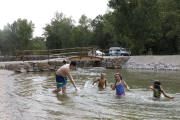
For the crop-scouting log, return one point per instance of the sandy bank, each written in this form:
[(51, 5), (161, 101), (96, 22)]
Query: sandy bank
[(5, 108), (171, 62), (166, 59)]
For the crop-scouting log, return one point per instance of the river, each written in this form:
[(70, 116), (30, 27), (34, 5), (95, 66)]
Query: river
[(30, 96)]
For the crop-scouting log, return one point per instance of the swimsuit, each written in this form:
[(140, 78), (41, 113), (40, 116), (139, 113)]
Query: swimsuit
[(61, 81), (158, 94), (120, 90)]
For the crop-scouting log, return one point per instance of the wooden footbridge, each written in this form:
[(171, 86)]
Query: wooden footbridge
[(74, 54)]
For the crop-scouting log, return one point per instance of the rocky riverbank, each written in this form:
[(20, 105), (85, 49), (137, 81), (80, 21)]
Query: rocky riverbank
[(154, 63), (5, 108), (54, 64), (13, 58), (127, 62)]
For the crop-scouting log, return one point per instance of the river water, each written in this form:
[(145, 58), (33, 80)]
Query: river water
[(30, 96)]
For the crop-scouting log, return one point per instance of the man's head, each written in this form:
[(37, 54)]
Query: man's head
[(73, 65)]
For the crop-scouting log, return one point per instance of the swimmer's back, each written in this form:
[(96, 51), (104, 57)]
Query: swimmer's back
[(62, 71)]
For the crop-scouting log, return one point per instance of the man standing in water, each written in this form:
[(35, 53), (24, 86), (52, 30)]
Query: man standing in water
[(61, 77)]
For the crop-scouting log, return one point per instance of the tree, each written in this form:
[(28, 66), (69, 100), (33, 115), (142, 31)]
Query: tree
[(100, 38), (85, 28), (16, 36), (77, 37), (24, 33), (58, 32), (39, 43)]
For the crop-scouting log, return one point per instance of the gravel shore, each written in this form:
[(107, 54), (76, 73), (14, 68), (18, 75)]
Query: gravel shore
[(167, 62), (5, 108)]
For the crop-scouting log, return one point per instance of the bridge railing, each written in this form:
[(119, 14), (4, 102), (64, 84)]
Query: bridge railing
[(68, 52)]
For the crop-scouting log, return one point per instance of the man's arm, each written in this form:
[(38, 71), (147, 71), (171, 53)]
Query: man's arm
[(70, 77)]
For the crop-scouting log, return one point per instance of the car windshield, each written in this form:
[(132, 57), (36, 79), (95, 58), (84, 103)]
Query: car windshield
[(112, 48)]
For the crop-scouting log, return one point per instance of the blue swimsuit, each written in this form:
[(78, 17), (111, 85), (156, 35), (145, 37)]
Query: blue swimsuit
[(120, 89), (61, 81)]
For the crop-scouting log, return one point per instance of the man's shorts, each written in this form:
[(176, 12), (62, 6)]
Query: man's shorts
[(61, 81)]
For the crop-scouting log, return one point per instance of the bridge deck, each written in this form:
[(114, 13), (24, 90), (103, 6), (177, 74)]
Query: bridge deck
[(86, 58)]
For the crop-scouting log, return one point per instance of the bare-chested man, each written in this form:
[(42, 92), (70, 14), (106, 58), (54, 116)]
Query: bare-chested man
[(61, 77), (102, 80)]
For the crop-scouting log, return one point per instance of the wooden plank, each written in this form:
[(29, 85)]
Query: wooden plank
[(87, 58), (19, 51), (57, 49), (35, 50), (59, 54), (35, 56), (74, 52)]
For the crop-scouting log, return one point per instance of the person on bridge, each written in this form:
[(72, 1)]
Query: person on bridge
[(102, 81), (157, 90), (64, 62), (61, 77), (119, 85)]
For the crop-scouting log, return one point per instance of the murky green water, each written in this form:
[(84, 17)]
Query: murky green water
[(31, 98)]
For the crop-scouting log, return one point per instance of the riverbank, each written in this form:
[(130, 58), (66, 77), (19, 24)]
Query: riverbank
[(166, 62), (5, 108)]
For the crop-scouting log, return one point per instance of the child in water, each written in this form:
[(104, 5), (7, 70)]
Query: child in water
[(102, 81), (157, 90), (119, 85)]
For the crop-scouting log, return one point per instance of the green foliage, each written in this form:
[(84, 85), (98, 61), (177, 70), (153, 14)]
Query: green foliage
[(100, 38), (85, 30), (76, 37), (16, 36), (145, 26), (58, 32), (39, 43), (24, 33), (150, 52)]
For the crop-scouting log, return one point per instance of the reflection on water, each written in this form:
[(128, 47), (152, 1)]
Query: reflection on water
[(32, 98)]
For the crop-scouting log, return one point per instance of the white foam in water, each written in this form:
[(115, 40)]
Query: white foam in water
[(88, 84)]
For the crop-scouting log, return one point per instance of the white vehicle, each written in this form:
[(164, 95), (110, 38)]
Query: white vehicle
[(96, 53), (118, 51)]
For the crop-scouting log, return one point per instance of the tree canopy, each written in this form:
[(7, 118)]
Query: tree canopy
[(145, 26)]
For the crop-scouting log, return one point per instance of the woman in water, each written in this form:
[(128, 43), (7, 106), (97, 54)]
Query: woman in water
[(157, 90), (119, 85)]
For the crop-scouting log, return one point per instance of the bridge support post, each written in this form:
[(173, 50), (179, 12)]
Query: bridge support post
[(23, 55), (16, 55), (68, 52), (81, 52), (48, 55)]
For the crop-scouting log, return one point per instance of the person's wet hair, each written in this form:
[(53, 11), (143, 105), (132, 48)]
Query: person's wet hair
[(73, 63), (64, 62), (157, 84), (118, 74)]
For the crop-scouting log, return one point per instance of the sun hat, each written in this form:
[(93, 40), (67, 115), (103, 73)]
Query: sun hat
[(103, 74)]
